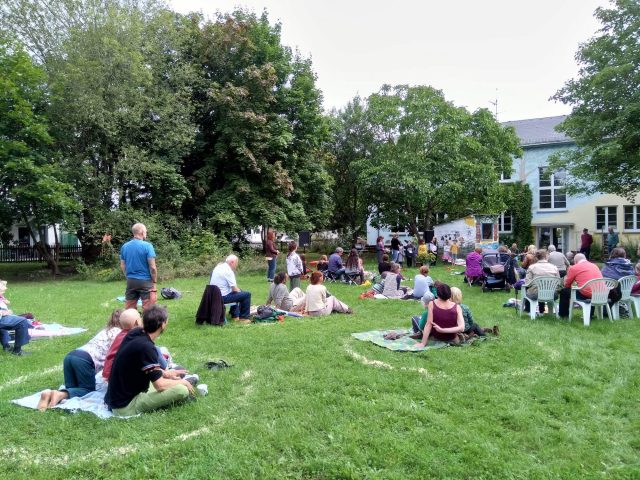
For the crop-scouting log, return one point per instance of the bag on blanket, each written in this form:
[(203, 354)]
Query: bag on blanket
[(265, 313)]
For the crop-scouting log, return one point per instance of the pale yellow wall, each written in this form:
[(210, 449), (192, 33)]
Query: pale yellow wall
[(583, 215)]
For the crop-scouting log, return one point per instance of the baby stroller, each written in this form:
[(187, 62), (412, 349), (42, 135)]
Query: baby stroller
[(495, 266)]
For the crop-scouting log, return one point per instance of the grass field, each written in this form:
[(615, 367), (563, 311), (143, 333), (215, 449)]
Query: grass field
[(547, 399)]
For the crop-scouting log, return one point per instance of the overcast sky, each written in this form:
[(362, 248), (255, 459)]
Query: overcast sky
[(467, 48)]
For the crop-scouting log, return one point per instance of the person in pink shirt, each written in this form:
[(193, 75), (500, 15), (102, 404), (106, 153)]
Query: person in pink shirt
[(580, 272)]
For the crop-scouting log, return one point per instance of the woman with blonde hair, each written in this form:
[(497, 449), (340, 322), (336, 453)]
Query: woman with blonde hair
[(318, 303), (470, 327)]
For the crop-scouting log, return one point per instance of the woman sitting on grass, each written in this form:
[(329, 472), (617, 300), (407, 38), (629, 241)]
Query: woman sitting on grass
[(444, 320), (353, 265), (318, 303), (281, 297), (392, 288), (422, 283), (80, 366), (470, 327)]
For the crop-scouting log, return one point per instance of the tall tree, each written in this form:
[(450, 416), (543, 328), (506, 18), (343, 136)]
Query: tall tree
[(605, 120), (32, 185), (120, 109), (352, 142), (259, 156), (432, 157)]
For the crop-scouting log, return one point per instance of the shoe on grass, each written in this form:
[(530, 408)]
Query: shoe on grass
[(20, 353), (242, 321)]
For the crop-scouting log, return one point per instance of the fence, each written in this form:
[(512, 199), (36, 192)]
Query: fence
[(30, 254)]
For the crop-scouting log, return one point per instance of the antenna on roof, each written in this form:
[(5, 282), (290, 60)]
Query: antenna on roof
[(495, 104)]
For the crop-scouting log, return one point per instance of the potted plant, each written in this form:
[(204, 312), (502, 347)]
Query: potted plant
[(428, 258)]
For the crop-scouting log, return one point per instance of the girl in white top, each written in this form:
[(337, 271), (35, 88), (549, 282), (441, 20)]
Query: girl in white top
[(81, 365), (316, 301), (294, 266)]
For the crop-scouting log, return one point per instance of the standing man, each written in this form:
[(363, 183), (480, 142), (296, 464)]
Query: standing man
[(138, 262), (586, 239), (395, 247), (137, 384), (612, 240), (224, 277)]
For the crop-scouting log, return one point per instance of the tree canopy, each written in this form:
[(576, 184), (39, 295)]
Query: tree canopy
[(605, 119), (32, 184), (428, 156)]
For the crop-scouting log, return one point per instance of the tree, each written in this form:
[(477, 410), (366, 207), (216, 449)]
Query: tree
[(120, 107), (31, 182), (352, 142), (259, 157), (605, 119), (431, 157)]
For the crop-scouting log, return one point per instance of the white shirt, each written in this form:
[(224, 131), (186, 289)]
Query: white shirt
[(294, 264), (99, 346), (223, 278)]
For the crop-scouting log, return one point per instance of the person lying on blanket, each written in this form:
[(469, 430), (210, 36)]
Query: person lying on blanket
[(444, 320), (470, 327), (137, 383), (81, 365)]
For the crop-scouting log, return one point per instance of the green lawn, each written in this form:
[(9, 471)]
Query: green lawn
[(547, 399)]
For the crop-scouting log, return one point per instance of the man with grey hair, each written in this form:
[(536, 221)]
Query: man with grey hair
[(559, 260), (336, 267), (580, 272), (138, 263), (223, 276)]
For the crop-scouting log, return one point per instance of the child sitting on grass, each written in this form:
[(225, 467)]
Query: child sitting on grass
[(470, 327)]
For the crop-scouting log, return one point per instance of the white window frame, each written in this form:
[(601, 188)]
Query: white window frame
[(607, 216), (636, 218), (501, 222), (553, 188)]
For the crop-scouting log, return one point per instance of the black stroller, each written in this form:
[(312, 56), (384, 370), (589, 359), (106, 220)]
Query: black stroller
[(495, 266)]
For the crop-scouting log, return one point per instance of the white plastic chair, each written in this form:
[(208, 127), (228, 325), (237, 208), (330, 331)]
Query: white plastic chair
[(600, 288), (626, 284), (547, 288)]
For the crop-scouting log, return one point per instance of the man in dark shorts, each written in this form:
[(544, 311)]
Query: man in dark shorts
[(137, 384), (138, 262)]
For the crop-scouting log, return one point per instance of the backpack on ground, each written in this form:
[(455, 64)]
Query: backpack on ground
[(170, 293)]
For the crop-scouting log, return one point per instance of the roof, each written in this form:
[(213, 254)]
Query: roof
[(539, 131)]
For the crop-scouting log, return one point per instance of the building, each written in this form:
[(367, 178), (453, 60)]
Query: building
[(558, 218)]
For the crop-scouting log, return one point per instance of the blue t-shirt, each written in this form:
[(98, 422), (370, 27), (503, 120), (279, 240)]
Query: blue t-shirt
[(135, 254)]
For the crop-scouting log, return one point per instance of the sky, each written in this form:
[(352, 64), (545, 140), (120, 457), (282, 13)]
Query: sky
[(519, 52)]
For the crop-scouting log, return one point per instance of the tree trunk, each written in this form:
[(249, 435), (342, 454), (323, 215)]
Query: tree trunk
[(263, 237), (42, 249)]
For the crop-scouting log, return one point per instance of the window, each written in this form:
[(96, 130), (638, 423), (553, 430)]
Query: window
[(631, 217), (552, 192), (505, 220), (487, 231), (505, 176), (606, 217)]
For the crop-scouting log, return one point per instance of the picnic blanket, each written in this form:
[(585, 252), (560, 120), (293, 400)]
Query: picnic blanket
[(54, 330), (402, 344), (92, 402)]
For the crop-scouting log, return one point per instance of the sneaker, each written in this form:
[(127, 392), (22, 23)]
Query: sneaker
[(496, 330), (6, 348), (242, 321), (349, 311), (192, 378), (20, 353)]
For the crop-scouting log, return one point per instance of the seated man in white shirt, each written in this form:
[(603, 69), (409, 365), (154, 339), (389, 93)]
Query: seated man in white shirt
[(224, 277)]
